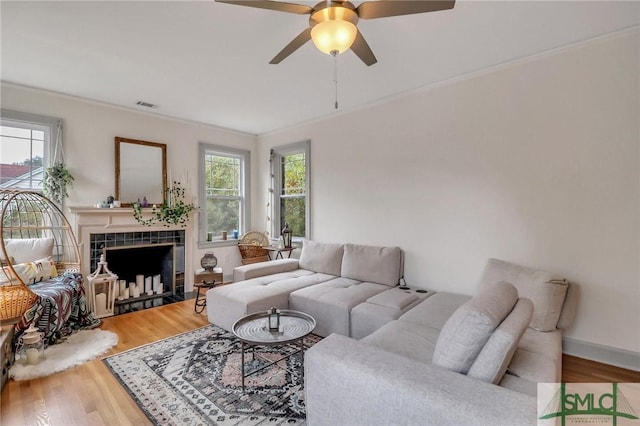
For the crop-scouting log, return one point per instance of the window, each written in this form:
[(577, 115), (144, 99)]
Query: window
[(290, 166), (224, 189), (25, 148)]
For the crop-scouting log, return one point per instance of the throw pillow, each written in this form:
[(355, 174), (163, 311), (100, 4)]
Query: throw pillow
[(467, 330), (547, 291), (28, 249), (36, 271), (495, 356)]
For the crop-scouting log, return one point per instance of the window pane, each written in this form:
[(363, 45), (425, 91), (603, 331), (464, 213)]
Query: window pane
[(293, 174), (14, 131), (222, 175), (22, 158), (222, 215), (292, 211)]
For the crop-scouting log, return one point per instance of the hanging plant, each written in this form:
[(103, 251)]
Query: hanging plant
[(55, 182), (173, 211)]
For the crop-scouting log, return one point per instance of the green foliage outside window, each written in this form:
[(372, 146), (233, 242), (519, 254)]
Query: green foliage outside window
[(223, 193), (293, 195)]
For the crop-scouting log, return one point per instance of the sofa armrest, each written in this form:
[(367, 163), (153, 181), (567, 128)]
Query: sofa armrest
[(260, 269), (350, 382)]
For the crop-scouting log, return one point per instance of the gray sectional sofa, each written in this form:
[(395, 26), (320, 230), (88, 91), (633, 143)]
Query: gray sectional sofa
[(399, 356)]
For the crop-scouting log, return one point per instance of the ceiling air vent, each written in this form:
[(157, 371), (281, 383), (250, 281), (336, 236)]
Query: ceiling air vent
[(146, 104)]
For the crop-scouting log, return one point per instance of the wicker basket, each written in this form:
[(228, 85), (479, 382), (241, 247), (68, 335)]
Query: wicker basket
[(252, 254), (252, 249)]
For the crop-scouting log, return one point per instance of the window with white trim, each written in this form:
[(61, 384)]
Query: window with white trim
[(224, 191), (26, 141), (290, 170)]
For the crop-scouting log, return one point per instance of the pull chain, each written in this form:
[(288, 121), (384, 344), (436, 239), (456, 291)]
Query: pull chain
[(334, 53)]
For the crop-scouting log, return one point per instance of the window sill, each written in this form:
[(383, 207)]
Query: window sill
[(217, 243)]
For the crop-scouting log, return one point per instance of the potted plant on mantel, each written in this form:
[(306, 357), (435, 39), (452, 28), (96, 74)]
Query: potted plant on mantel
[(173, 211)]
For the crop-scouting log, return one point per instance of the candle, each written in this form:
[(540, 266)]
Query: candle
[(136, 291), (140, 281), (123, 287), (156, 284), (32, 356), (101, 304), (132, 289), (148, 286)]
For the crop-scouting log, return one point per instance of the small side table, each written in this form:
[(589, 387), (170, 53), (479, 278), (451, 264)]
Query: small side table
[(279, 251), (203, 279)]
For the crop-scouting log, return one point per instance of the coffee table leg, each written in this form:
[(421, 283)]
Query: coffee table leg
[(302, 358), (242, 363)]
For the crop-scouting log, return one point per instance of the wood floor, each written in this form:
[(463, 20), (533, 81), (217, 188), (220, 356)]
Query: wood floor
[(90, 394)]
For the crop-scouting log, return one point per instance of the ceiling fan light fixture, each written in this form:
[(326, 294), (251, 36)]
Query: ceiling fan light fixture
[(333, 35)]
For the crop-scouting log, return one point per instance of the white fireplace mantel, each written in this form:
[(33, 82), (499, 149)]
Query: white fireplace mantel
[(92, 220)]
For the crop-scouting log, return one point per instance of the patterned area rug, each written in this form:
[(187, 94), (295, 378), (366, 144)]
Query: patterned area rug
[(195, 378)]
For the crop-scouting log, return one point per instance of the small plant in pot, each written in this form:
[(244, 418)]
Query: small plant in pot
[(56, 180)]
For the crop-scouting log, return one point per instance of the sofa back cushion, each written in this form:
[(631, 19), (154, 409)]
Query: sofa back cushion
[(380, 265), (469, 328), (495, 356), (325, 258), (547, 291), (27, 249)]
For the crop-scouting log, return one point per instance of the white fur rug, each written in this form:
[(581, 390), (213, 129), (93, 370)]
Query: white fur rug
[(80, 347)]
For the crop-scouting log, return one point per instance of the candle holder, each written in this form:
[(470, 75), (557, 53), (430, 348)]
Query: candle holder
[(32, 351), (274, 320), (286, 235), (102, 290)]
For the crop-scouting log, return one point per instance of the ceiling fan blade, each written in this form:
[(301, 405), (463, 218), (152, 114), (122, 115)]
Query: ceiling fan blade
[(385, 8), (295, 44), (299, 9), (361, 48)]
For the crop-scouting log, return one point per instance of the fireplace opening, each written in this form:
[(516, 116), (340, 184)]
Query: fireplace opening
[(130, 262)]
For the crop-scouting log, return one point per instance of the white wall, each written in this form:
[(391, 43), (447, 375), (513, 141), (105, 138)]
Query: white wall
[(89, 132), (535, 162)]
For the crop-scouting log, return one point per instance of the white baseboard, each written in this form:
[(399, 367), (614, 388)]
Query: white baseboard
[(601, 353)]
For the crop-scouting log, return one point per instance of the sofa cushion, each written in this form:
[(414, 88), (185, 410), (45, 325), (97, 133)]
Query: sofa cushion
[(495, 356), (436, 310), (330, 303), (547, 291), (404, 338), (466, 332), (547, 345), (228, 303), (27, 249), (381, 265), (259, 269), (321, 257), (393, 299), (535, 367)]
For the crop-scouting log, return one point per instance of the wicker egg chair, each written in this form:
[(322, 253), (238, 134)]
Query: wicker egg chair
[(29, 215), (251, 247)]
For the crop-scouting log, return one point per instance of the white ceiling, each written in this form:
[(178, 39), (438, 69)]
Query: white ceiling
[(209, 62)]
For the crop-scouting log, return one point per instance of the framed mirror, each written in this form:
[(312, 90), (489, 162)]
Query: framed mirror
[(141, 171)]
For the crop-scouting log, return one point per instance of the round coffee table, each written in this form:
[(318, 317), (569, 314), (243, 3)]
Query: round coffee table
[(252, 330)]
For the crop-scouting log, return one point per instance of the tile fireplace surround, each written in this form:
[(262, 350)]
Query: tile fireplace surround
[(97, 228)]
